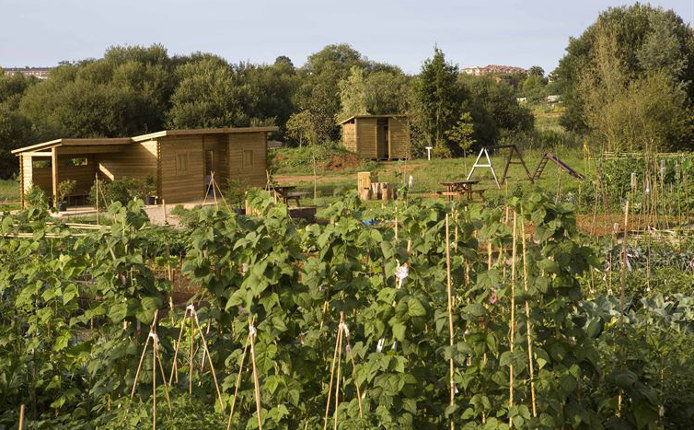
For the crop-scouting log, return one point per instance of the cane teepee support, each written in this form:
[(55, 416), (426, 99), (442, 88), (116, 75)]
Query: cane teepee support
[(489, 166)]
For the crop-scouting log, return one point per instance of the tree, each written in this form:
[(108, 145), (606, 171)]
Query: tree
[(208, 95), (647, 112), (320, 77), (463, 132), (378, 92), (533, 88), (649, 39), (353, 94), (437, 101), (536, 71)]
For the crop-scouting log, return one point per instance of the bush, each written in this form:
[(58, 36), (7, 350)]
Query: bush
[(120, 190), (36, 198)]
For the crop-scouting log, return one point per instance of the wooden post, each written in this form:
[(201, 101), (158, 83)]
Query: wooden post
[(332, 374), (163, 203), (54, 176), (177, 345), (96, 188), (450, 319)]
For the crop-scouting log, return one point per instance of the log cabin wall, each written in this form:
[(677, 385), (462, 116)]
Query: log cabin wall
[(349, 136), (83, 175), (248, 158), (182, 168), (399, 136), (135, 160)]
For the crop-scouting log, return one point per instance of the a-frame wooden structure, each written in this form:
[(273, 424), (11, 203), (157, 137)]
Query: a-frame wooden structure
[(509, 160)]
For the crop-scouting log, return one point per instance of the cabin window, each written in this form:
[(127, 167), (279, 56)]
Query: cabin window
[(181, 163), (77, 161), (40, 163), (247, 158)]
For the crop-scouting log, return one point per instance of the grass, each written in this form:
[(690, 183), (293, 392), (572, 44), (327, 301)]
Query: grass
[(427, 176), (9, 194)]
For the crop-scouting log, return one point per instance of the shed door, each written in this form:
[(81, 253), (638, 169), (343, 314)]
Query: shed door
[(382, 138)]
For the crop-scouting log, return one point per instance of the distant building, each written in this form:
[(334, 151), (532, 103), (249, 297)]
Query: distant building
[(554, 98), (521, 99), (37, 72), (493, 69)]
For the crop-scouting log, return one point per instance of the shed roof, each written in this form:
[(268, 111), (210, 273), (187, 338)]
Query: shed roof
[(123, 140), (390, 115)]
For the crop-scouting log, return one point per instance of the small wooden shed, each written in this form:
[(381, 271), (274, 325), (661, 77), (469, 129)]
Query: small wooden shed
[(180, 161), (378, 137)]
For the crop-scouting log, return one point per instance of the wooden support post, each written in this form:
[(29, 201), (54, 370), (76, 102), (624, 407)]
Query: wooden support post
[(54, 176), (96, 188)]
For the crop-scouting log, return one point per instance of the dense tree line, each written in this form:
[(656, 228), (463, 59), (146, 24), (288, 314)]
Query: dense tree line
[(628, 79), (133, 90)]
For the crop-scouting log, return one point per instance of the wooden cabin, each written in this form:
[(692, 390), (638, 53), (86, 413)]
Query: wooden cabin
[(180, 161), (378, 137)]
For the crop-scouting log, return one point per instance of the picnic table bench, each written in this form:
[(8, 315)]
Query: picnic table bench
[(459, 188)]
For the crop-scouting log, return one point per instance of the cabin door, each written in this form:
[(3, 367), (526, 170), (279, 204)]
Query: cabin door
[(209, 168), (382, 139)]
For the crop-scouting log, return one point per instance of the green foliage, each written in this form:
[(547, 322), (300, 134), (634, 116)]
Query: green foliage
[(34, 197)]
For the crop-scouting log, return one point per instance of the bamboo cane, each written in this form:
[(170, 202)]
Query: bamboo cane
[(332, 374), (191, 362), (178, 345), (255, 378), (163, 378), (209, 358), (356, 377), (238, 380), (512, 320), (451, 367), (154, 382), (339, 367), (21, 417), (527, 317), (139, 367)]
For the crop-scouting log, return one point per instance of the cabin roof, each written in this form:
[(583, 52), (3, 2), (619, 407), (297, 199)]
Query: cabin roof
[(390, 115), (123, 140), (194, 131)]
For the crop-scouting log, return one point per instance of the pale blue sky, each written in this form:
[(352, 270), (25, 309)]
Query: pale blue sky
[(510, 32)]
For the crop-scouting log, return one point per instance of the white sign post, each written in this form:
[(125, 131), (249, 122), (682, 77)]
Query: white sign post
[(429, 148)]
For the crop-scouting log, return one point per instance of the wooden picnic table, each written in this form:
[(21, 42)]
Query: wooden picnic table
[(285, 193), (458, 188)]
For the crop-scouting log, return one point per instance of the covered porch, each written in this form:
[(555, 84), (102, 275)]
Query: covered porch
[(47, 164)]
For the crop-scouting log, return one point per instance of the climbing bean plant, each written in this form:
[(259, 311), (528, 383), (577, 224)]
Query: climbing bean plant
[(76, 312)]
